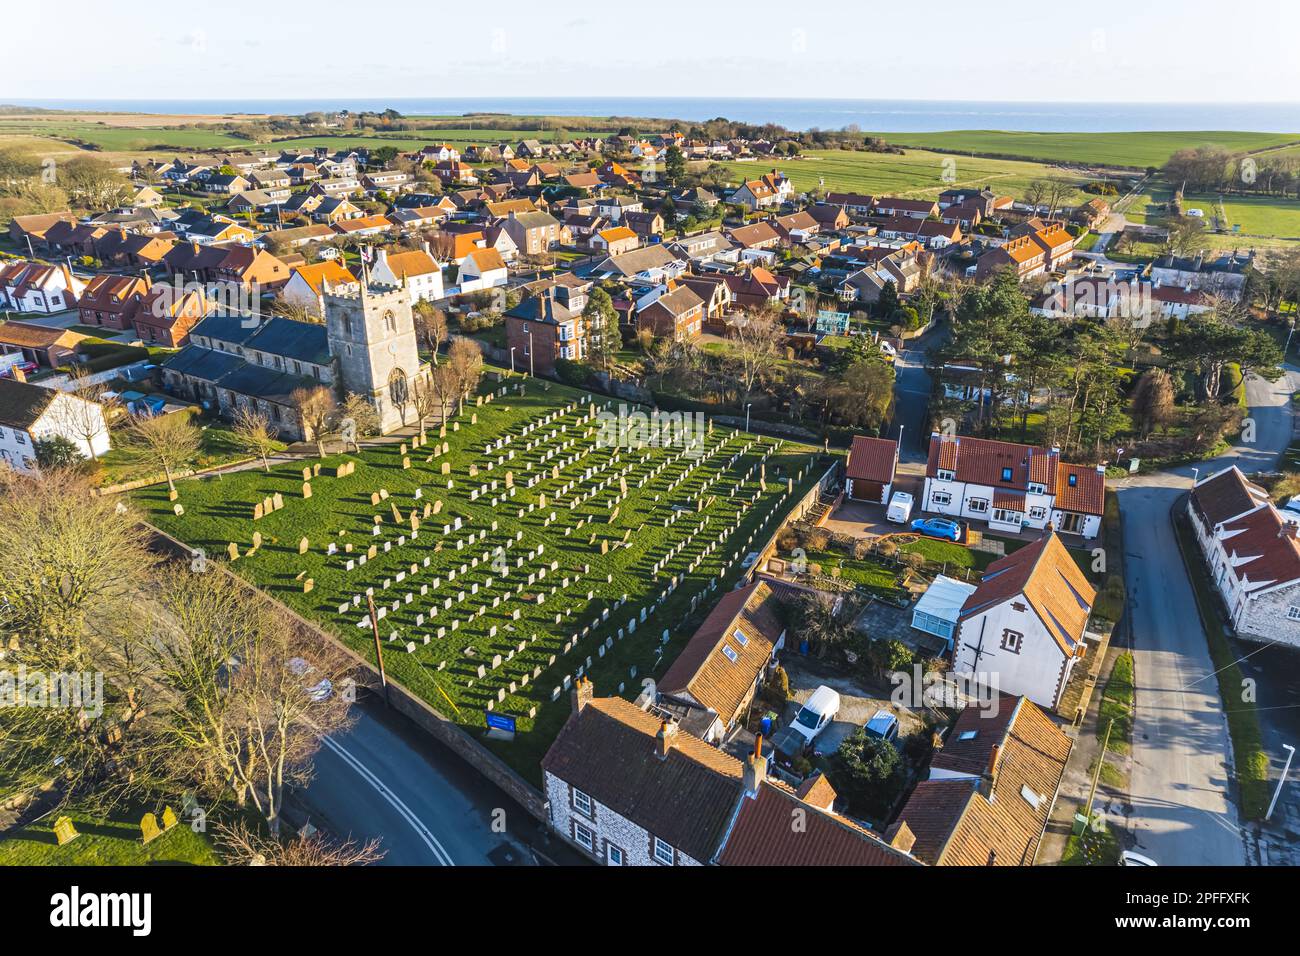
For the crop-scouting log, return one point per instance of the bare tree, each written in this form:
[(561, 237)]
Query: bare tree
[(427, 402), (253, 435), (88, 419), (172, 441), (242, 845), (443, 382), (315, 406), (466, 361), (249, 692), (755, 344), (431, 327)]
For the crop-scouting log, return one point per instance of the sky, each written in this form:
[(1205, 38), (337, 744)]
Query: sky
[(1101, 51)]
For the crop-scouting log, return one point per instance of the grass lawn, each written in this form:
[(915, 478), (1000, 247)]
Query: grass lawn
[(1140, 149), (918, 174), (870, 572), (950, 557), (1092, 848), (217, 448), (556, 604), (111, 842), (1116, 706)]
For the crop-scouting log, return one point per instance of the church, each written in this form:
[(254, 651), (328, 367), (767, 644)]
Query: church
[(367, 346)]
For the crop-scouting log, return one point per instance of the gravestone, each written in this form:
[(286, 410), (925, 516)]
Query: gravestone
[(149, 829), (64, 831)]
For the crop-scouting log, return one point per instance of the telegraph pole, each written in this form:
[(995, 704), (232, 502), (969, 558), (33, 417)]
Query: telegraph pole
[(379, 650)]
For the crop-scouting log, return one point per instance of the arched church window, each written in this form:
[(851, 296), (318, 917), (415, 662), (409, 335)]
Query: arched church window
[(398, 392), (390, 323)]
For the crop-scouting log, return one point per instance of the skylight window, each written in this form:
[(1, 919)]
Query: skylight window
[(740, 637), (967, 735), (1030, 797), (730, 652)]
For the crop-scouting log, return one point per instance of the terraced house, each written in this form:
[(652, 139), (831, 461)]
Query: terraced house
[(1012, 487), (1253, 555)]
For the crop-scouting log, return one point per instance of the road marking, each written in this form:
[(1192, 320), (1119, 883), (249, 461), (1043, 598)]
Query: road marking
[(407, 813)]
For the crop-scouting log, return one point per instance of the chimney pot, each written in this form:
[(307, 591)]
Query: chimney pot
[(583, 692), (664, 739), (755, 771)]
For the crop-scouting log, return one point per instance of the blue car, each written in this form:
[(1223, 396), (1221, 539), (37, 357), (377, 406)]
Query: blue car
[(938, 528)]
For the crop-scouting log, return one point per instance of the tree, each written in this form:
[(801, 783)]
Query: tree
[(252, 432), (442, 383), (814, 615), (248, 694), (87, 419), (755, 343), (364, 418), (674, 165), (601, 321), (315, 406), (241, 845), (426, 400), (864, 394), (93, 183), (868, 772), (57, 451), (431, 327), (1153, 400), (170, 440), (466, 360)]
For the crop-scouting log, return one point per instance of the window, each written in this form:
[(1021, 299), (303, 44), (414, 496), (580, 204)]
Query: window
[(740, 637), (978, 505), (1011, 641), (1030, 797), (584, 837), (940, 498), (1005, 516), (730, 653), (967, 735), (614, 855), (663, 852), (581, 802), (1293, 613), (945, 475), (1073, 480), (1038, 512), (1006, 474)]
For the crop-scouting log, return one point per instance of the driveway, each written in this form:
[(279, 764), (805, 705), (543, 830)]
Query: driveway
[(1182, 813)]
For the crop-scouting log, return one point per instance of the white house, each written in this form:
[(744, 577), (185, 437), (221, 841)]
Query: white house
[(30, 413), (1012, 487), (1253, 555), (37, 287), (482, 269), (1023, 626), (417, 269)]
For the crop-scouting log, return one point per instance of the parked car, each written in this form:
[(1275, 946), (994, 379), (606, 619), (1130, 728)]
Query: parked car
[(889, 352), (1129, 858), (900, 508), (27, 368), (939, 528), (882, 725), (793, 740)]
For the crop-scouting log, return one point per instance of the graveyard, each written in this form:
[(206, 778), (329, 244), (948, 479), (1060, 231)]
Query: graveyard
[(542, 534)]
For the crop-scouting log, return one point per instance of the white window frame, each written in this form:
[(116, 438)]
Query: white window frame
[(978, 505), (940, 498), (580, 828), (662, 844), (610, 850), (581, 802), (1293, 613)]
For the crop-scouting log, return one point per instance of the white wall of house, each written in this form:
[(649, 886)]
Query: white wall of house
[(606, 827), (1016, 647), (16, 449)]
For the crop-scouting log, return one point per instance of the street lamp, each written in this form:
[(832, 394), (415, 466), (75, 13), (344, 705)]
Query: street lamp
[(1290, 752), (1196, 474), (748, 406), (512, 359), (530, 356)]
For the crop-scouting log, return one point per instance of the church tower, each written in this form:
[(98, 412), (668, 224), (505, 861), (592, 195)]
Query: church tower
[(371, 332)]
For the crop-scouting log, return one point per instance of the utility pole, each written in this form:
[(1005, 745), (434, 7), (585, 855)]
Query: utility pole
[(379, 650), (1290, 752), (1096, 774)]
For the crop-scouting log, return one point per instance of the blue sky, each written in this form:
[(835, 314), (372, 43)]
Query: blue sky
[(1102, 50)]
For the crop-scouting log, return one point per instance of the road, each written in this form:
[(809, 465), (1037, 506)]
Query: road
[(912, 398), (384, 779), (1181, 812)]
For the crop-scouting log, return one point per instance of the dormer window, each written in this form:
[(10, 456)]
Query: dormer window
[(945, 475)]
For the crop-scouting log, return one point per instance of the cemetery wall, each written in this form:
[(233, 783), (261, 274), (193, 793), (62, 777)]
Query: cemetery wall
[(401, 699), (797, 511), (159, 478)]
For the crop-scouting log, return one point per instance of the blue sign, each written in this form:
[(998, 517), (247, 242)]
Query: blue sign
[(499, 721), (832, 323)]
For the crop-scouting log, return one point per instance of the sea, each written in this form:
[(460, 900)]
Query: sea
[(885, 116)]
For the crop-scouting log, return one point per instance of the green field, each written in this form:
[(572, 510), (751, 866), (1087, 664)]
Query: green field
[(1111, 149), (918, 174), (510, 563), (1263, 220), (112, 842)]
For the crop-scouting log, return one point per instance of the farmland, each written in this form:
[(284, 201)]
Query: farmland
[(1138, 150), (527, 552)]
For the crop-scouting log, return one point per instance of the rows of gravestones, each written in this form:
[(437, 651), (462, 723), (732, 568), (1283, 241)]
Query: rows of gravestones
[(676, 550), (550, 442)]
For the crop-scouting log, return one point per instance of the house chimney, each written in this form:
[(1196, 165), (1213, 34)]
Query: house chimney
[(903, 839), (990, 778), (755, 768), (583, 691), (664, 739)]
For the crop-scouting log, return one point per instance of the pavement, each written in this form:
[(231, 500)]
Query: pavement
[(1180, 788), (385, 779)]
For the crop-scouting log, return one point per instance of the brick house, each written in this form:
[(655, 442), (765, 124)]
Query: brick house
[(677, 314), (112, 302), (869, 474)]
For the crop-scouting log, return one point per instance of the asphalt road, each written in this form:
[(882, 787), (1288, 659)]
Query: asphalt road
[(1182, 813), (384, 779)]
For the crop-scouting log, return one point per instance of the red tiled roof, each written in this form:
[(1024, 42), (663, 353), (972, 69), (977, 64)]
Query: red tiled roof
[(872, 459), (1225, 495)]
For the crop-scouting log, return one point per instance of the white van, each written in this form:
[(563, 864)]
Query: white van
[(900, 508), (820, 710)]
